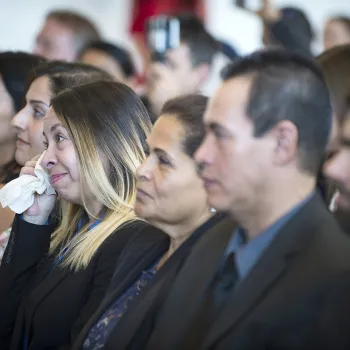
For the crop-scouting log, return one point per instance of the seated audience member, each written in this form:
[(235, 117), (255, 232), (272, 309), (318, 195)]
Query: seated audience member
[(113, 59), (187, 67), (54, 277), (337, 170), (64, 34), (260, 158), (336, 32), (142, 11), (335, 65), (45, 81), (14, 69), (171, 197)]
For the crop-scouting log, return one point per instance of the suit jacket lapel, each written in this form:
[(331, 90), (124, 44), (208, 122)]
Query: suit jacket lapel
[(144, 307), (199, 267), (129, 275), (273, 264)]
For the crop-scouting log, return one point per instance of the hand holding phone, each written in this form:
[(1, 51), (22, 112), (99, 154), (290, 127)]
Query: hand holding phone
[(163, 33)]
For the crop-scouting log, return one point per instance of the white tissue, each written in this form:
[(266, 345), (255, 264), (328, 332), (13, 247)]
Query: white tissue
[(19, 194)]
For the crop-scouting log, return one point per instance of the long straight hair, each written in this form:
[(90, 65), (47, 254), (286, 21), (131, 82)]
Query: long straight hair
[(109, 125)]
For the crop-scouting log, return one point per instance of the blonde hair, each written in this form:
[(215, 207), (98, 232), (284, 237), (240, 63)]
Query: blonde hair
[(103, 118)]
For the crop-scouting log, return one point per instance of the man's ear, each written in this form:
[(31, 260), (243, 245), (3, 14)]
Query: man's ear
[(286, 138)]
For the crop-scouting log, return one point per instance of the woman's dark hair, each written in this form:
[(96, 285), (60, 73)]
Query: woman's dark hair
[(120, 55), (189, 110), (335, 65), (14, 70), (63, 75)]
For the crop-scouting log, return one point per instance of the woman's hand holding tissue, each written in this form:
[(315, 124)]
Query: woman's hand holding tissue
[(43, 204)]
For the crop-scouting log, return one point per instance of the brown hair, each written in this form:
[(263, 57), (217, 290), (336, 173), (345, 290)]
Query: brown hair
[(84, 30), (335, 65), (189, 110)]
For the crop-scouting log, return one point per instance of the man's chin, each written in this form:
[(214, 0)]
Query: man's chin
[(342, 203), (219, 203)]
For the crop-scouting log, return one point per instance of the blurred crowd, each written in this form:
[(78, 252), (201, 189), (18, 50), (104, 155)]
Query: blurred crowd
[(178, 220)]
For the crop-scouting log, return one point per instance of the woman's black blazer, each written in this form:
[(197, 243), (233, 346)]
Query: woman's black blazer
[(50, 309)]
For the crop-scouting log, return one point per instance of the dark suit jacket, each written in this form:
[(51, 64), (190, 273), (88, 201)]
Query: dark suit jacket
[(52, 306), (136, 323), (277, 306)]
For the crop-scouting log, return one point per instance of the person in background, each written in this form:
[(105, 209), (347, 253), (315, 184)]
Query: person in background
[(287, 27), (335, 65), (337, 169), (186, 68), (113, 59), (264, 284), (143, 10), (46, 80), (63, 35), (14, 70), (336, 32), (54, 276), (170, 197)]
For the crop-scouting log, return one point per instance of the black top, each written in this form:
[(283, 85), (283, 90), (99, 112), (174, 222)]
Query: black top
[(53, 306), (138, 318), (279, 303)]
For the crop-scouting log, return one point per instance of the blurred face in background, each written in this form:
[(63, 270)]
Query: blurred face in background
[(29, 121), (56, 42), (104, 61), (337, 169), (336, 33), (7, 111), (176, 77)]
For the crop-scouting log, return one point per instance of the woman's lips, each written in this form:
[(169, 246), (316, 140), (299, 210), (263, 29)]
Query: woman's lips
[(56, 178), (142, 194), (21, 142)]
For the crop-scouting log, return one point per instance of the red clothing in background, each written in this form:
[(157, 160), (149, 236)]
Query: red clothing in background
[(143, 9)]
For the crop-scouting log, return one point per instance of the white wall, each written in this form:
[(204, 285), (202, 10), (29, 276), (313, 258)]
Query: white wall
[(21, 19)]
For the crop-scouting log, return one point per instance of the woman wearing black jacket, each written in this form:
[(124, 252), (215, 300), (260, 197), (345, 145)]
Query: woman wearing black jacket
[(172, 198), (53, 277)]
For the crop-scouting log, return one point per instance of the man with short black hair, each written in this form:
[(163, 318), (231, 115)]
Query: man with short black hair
[(187, 67), (64, 34), (263, 285)]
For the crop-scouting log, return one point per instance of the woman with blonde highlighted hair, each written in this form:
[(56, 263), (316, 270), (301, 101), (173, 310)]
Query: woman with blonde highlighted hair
[(58, 273)]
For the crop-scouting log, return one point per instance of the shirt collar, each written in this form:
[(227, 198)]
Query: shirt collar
[(247, 254)]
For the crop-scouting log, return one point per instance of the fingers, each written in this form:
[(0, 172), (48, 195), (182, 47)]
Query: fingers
[(36, 158), (28, 168), (27, 171)]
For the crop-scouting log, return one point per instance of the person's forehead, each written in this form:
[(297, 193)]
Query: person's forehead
[(54, 27), (231, 98), (40, 86), (166, 133)]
